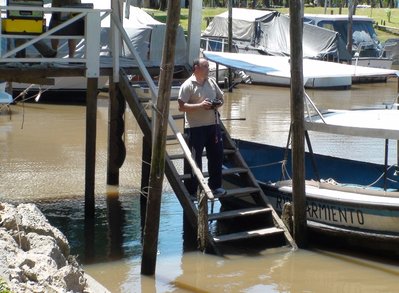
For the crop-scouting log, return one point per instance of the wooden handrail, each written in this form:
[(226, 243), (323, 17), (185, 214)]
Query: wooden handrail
[(154, 93), (92, 36)]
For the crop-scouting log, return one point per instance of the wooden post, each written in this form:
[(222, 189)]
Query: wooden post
[(145, 177), (91, 126), (116, 220), (297, 123), (116, 129), (160, 126), (203, 228)]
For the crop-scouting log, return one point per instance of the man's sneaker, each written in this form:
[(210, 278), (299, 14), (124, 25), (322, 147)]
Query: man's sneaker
[(219, 191)]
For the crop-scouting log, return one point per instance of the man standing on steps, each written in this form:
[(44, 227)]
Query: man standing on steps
[(199, 98)]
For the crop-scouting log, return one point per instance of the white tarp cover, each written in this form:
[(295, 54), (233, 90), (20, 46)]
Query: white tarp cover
[(244, 21), (147, 36), (317, 42), (269, 31)]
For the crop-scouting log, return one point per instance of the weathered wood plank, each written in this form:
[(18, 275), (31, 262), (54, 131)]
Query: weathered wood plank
[(248, 234), (239, 192), (181, 156), (238, 213)]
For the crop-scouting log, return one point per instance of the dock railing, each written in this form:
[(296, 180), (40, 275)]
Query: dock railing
[(92, 27)]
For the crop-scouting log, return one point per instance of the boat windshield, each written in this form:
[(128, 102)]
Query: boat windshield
[(364, 37)]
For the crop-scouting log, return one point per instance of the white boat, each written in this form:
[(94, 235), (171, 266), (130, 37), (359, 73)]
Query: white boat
[(267, 33), (367, 50), (278, 67)]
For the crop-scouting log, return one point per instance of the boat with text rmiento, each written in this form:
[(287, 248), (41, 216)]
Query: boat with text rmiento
[(356, 200)]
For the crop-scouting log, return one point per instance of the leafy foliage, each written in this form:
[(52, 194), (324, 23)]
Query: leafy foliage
[(4, 287)]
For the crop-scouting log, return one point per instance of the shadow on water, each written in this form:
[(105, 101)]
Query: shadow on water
[(115, 231), (113, 234)]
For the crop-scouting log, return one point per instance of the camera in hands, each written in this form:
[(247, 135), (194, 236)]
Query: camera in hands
[(215, 102)]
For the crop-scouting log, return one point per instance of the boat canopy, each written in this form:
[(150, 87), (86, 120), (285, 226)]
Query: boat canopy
[(244, 23), (268, 31), (280, 66)]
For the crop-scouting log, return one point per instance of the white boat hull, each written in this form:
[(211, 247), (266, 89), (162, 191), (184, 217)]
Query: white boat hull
[(347, 210), (384, 63), (343, 82)]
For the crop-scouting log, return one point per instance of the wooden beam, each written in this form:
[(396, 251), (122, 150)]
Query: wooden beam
[(116, 129), (27, 72), (160, 126), (91, 132), (297, 123), (34, 80)]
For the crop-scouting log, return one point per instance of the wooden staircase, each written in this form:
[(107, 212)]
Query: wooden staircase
[(240, 216)]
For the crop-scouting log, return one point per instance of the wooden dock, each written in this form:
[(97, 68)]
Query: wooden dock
[(242, 214)]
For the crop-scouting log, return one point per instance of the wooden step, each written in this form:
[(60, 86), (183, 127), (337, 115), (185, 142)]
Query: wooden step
[(238, 213), (229, 171), (171, 137), (248, 234), (181, 156), (224, 172), (239, 192)]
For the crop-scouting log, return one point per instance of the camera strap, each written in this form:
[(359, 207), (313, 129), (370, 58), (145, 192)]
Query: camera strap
[(216, 125), (217, 121)]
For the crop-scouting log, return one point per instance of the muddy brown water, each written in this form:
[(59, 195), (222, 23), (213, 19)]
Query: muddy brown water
[(42, 161)]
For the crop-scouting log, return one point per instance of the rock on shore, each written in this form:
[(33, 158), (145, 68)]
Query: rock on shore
[(35, 256)]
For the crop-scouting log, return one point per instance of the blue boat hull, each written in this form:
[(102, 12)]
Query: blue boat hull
[(350, 208)]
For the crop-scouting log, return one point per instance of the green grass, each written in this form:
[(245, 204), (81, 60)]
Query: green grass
[(378, 14)]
